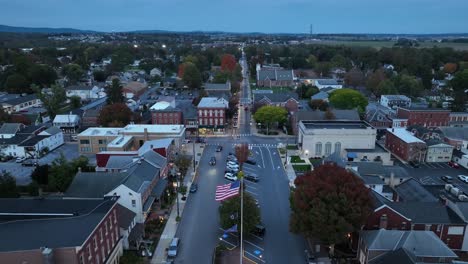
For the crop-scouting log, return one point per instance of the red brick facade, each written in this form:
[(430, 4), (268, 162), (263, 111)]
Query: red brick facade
[(425, 117), (167, 117), (393, 220), (405, 151), (211, 117)]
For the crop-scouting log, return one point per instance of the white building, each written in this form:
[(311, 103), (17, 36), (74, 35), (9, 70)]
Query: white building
[(327, 83), (67, 122), (85, 92), (394, 101), (438, 152), (12, 103), (322, 138)]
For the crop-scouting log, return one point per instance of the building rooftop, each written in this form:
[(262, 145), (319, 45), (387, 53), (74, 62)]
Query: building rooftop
[(404, 135), (412, 190), (161, 105), (424, 109), (460, 133), (327, 82), (119, 141), (320, 115), (101, 131), (16, 99), (218, 87), (335, 124), (29, 224), (163, 129), (213, 102), (396, 97), (10, 128), (66, 119)]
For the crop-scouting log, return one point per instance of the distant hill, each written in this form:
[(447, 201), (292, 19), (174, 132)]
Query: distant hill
[(4, 28)]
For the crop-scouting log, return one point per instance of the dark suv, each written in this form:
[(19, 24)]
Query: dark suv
[(259, 230), (251, 177), (213, 161), (251, 161)]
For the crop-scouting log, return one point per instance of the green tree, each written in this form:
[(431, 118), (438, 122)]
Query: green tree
[(17, 83), (61, 174), (374, 80), (408, 85), (270, 114), (311, 91), (114, 92), (192, 77), (75, 101), (312, 61), (115, 115), (229, 213), (348, 99), (183, 164), (325, 208), (42, 75), (99, 76), (8, 188), (385, 87), (53, 100), (73, 72), (460, 84)]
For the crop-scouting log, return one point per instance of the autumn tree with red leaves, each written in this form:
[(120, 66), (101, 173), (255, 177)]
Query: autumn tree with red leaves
[(242, 152), (329, 203), (115, 115), (228, 63)]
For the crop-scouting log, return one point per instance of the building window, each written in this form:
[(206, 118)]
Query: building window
[(102, 141), (81, 259), (102, 236), (89, 252), (133, 203), (328, 149), (105, 227), (427, 228), (318, 149), (95, 243), (211, 112), (338, 147), (102, 149), (112, 238), (84, 141), (117, 234), (103, 253), (221, 121), (108, 246)]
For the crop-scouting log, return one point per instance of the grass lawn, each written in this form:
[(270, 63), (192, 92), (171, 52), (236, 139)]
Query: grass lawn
[(301, 167), (292, 147), (296, 159)]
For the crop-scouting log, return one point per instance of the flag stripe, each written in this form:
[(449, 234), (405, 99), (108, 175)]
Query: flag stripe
[(227, 190)]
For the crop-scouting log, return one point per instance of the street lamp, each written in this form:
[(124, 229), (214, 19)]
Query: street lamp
[(176, 185)]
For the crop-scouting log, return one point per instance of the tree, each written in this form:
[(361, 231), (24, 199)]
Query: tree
[(450, 68), (115, 115), (52, 100), (229, 213), (318, 104), (192, 76), (4, 116), (75, 101), (312, 61), (385, 87), (374, 80), (354, 77), (100, 76), (242, 152), (42, 75), (323, 68), (311, 91), (17, 83), (329, 203), (329, 115), (460, 84), (183, 164), (348, 99), (40, 174), (114, 92), (270, 114), (408, 85), (73, 72), (8, 188), (228, 63), (61, 174)]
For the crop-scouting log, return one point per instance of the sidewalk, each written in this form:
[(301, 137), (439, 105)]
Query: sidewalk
[(160, 254), (254, 131)]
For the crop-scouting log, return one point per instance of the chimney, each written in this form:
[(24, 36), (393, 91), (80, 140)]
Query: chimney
[(392, 179), (383, 221), (145, 133)]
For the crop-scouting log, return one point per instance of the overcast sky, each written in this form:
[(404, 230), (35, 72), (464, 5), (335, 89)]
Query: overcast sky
[(269, 16)]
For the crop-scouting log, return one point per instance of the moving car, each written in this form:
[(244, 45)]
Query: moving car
[(453, 164), (193, 188), (252, 177), (173, 247), (212, 161), (446, 178), (463, 178), (219, 148), (20, 159), (259, 230), (230, 176)]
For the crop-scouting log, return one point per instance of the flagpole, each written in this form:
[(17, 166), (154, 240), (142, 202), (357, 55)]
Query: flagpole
[(242, 220)]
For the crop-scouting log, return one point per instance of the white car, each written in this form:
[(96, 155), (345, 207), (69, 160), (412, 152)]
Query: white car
[(230, 176), (20, 159), (232, 167), (232, 163), (463, 178)]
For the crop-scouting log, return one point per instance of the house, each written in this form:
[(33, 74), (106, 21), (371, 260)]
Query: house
[(274, 77), (320, 96), (460, 157), (132, 232), (212, 115), (9, 130), (403, 247), (457, 137), (428, 216), (322, 138), (59, 231), (377, 154), (427, 117), (458, 119), (394, 101), (338, 114), (13, 103), (85, 92), (327, 83), (438, 151), (390, 175), (130, 137), (68, 123), (165, 112), (90, 117), (216, 88), (378, 118), (403, 144), (133, 90), (411, 190), (290, 101), (138, 186)]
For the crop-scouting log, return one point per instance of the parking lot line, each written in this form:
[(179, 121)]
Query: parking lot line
[(261, 238), (248, 242), (252, 255), (252, 193)]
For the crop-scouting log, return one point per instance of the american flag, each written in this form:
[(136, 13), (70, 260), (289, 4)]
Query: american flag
[(226, 191)]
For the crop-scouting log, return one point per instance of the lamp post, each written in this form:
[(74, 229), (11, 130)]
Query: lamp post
[(176, 185)]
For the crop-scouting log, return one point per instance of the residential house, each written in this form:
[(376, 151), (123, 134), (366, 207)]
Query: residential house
[(155, 72), (133, 90), (322, 138), (394, 101), (68, 123), (320, 96), (427, 117), (13, 103), (9, 130), (274, 77), (218, 89), (438, 151), (86, 93), (327, 83), (457, 137), (460, 157), (90, 118), (411, 190), (212, 115), (55, 230), (458, 119), (403, 247), (390, 175), (132, 233), (338, 114), (403, 144), (287, 100)]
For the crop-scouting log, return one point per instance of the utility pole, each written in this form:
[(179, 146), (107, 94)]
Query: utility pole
[(193, 149), (242, 222)]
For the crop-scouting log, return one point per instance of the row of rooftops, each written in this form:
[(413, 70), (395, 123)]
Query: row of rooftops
[(133, 128), (335, 124)]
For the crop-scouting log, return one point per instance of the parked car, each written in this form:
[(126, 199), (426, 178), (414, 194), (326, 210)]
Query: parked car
[(193, 188), (453, 164), (231, 170), (251, 161), (219, 148), (259, 230), (186, 141), (29, 163), (414, 164), (173, 247), (231, 167), (20, 159), (212, 161), (447, 178), (231, 158), (252, 177), (230, 176), (309, 258), (232, 163), (463, 178)]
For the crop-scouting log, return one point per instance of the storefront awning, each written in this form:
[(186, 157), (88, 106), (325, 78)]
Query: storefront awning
[(352, 155)]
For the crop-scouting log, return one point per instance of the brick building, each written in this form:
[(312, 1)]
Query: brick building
[(274, 77), (458, 119), (212, 115), (403, 144), (425, 117), (289, 101), (75, 231), (164, 113)]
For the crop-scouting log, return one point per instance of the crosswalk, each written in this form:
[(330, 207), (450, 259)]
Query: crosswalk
[(250, 145)]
